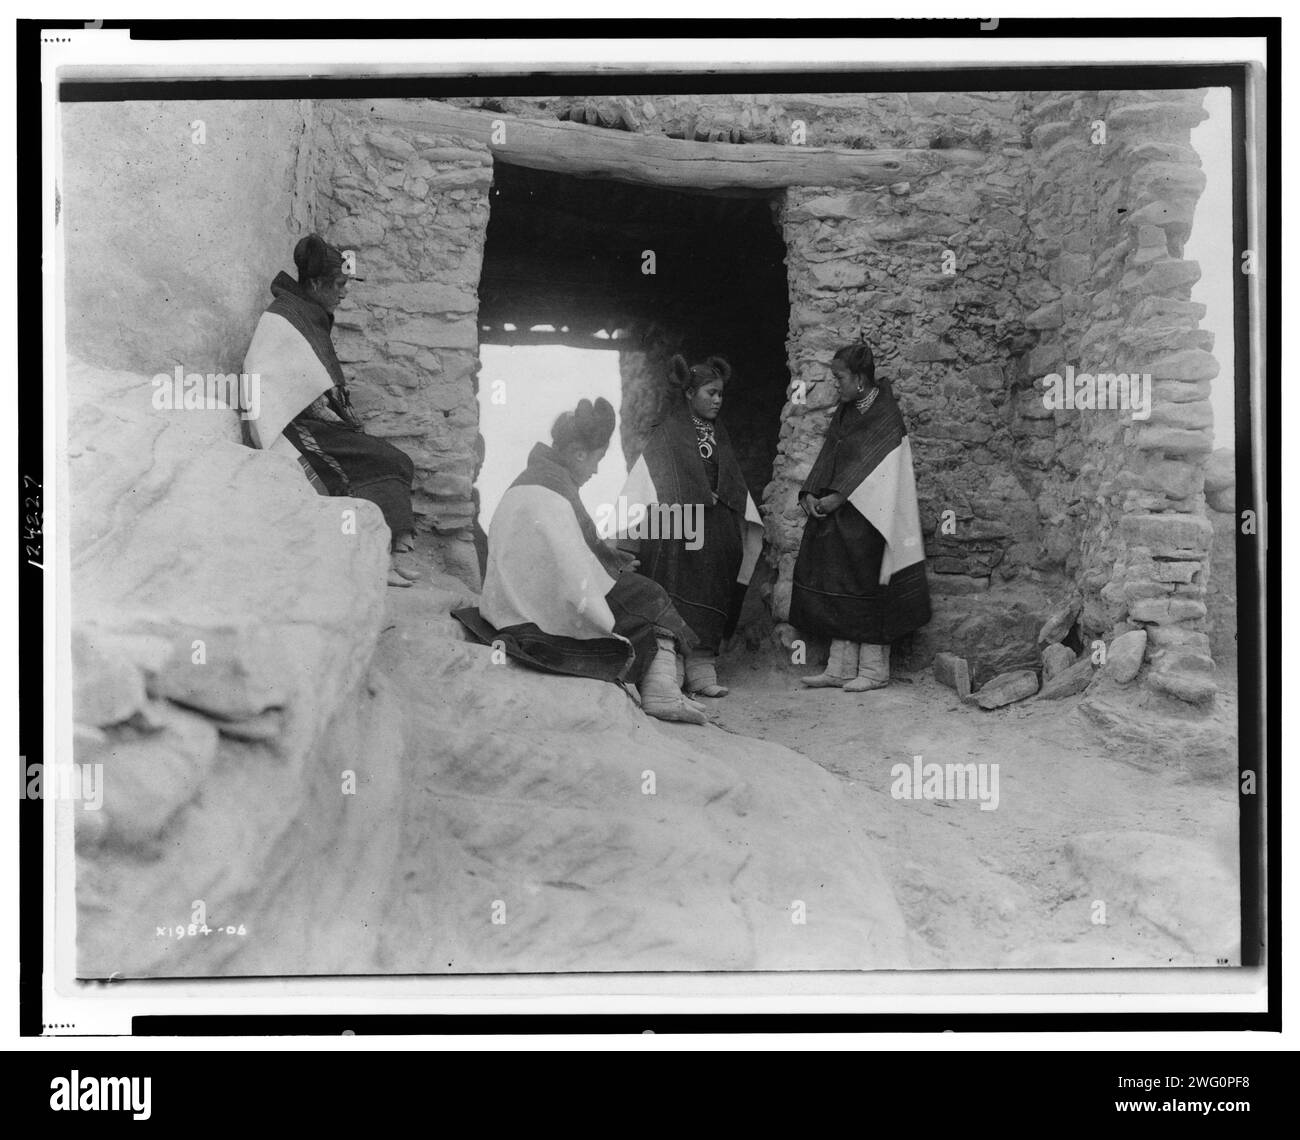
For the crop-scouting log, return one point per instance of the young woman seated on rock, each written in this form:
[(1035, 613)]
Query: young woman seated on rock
[(305, 401), (562, 599)]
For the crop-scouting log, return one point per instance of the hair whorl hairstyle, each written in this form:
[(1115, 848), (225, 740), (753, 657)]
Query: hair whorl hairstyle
[(861, 361), (315, 258), (858, 359), (687, 376), (588, 426)]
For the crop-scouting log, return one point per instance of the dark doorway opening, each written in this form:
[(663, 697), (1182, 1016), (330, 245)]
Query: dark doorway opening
[(600, 264)]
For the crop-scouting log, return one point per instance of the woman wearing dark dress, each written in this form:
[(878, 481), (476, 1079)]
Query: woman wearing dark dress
[(689, 474), (860, 577), (305, 401)]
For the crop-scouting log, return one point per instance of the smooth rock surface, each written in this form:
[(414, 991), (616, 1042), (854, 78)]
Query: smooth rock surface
[(108, 682), (326, 809), (172, 242), (266, 594), (212, 577), (531, 789), (1171, 883), (154, 768)]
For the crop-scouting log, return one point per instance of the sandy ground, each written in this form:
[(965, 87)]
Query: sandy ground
[(1016, 886), (1077, 824)]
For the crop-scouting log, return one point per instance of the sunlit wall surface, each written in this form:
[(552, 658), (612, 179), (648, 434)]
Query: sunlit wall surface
[(1210, 244)]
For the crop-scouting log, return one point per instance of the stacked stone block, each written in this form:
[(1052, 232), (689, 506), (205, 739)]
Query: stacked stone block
[(1111, 202), (414, 207), (925, 272)]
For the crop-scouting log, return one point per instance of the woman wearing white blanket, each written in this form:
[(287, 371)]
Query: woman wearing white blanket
[(567, 601), (305, 403), (860, 575)]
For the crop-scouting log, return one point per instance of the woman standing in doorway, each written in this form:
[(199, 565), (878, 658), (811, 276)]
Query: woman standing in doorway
[(688, 475), (860, 578)]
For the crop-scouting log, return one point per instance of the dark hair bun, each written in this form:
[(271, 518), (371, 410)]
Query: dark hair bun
[(314, 257), (858, 359), (595, 422), (679, 372), (589, 426), (720, 366), (687, 376)]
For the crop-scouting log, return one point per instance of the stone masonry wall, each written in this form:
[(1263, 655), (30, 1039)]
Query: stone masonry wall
[(414, 206), (871, 261), (1066, 250), (971, 284), (1111, 201), (932, 273), (1221, 586), (643, 368)]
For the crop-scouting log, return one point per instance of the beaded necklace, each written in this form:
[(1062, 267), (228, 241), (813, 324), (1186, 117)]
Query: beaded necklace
[(704, 436), (866, 401)]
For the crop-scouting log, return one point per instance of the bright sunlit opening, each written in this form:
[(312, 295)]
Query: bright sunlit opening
[(521, 389)]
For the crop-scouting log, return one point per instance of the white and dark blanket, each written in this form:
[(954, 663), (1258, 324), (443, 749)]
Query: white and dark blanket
[(860, 573), (697, 530)]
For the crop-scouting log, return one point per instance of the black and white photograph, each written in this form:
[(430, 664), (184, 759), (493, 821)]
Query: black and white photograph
[(658, 520)]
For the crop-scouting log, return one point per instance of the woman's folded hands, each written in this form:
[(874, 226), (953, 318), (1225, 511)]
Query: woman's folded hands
[(820, 508)]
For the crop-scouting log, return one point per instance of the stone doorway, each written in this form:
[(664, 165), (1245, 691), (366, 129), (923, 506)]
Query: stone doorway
[(596, 264), (974, 257)]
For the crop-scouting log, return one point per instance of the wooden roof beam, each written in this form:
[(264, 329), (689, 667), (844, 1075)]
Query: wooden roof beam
[(652, 160), (573, 339)]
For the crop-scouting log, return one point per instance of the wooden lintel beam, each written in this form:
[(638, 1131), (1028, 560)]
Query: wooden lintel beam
[(652, 160)]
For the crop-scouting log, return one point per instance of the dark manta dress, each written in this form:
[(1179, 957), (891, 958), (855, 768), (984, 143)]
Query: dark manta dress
[(341, 457), (702, 583), (837, 590)]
